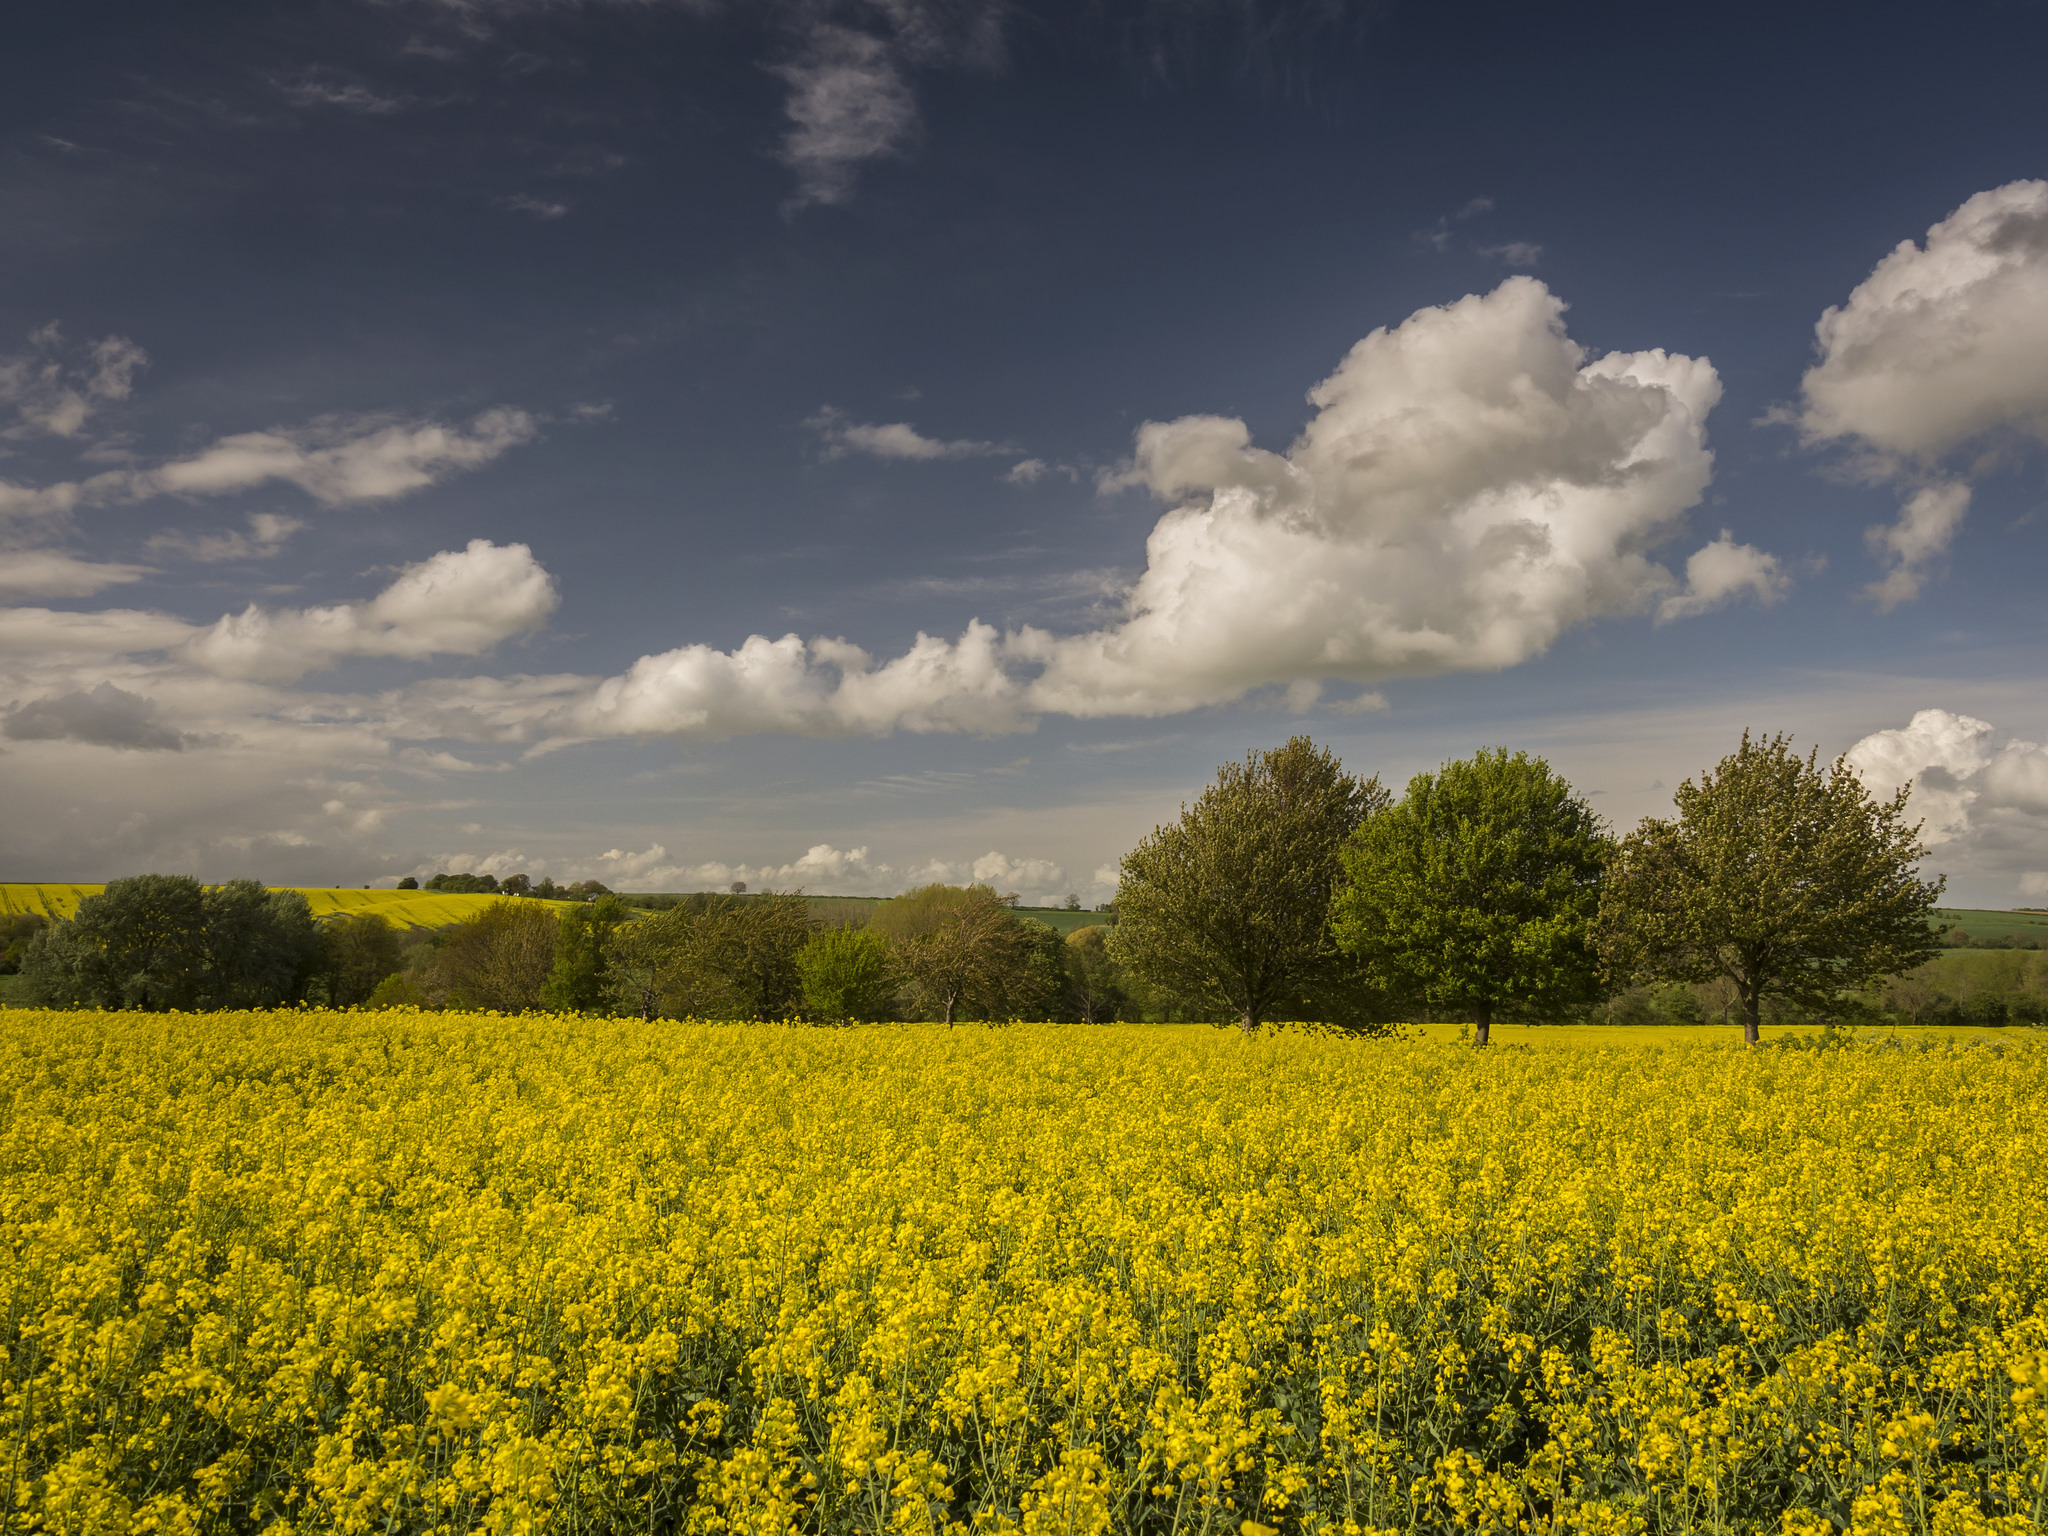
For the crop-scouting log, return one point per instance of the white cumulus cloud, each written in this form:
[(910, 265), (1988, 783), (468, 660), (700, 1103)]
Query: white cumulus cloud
[(1717, 574), (1471, 486), (1979, 800), (459, 602), (1944, 347), (1926, 526), (1026, 876)]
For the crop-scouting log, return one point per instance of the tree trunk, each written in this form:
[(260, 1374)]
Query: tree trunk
[(951, 999), (1750, 1011), (1482, 1021), (1248, 1021)]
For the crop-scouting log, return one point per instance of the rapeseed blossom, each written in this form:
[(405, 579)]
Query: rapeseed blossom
[(400, 1271)]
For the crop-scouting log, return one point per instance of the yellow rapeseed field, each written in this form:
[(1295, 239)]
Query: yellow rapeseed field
[(383, 1272), (405, 909)]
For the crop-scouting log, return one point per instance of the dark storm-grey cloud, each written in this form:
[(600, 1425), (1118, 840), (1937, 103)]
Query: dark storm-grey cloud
[(106, 716)]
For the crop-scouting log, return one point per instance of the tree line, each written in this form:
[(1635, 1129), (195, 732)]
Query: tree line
[(944, 952), (1290, 889), (543, 889)]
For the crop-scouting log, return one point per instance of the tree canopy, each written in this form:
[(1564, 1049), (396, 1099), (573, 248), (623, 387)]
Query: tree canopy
[(1791, 882), (968, 956), (499, 959), (358, 950), (1230, 905), (1095, 989), (583, 943), (848, 975), (1479, 889), (166, 941), (729, 957)]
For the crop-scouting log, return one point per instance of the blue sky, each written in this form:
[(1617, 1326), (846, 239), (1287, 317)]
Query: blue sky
[(850, 442)]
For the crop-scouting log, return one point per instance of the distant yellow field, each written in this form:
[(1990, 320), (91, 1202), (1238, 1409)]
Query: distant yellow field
[(408, 909)]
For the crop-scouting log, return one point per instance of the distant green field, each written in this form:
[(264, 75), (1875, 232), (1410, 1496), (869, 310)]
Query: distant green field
[(408, 909), (1980, 924), (858, 909), (1551, 1037)]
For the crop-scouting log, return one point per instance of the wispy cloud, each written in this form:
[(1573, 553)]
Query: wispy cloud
[(1444, 234), (323, 88), (54, 388), (54, 573), (337, 460), (850, 99), (1440, 235), (893, 440), (540, 207), (848, 104), (341, 459), (1031, 471), (266, 535)]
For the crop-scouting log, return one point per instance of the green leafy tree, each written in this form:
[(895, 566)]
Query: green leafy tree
[(724, 957), (1229, 907), (16, 929), (409, 883), (579, 982), (1040, 988), (358, 950), (401, 989), (1791, 882), (138, 943), (55, 970), (918, 910), (499, 959), (848, 974), (261, 946), (970, 958), (166, 941), (1479, 890), (1095, 985), (464, 884)]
